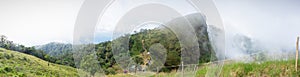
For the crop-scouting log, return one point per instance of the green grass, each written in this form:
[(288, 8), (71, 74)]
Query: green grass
[(268, 68), (13, 63), (265, 69)]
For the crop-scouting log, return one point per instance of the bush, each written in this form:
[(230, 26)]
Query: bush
[(1, 56), (111, 71), (7, 56), (165, 69), (25, 59), (12, 55), (2, 70), (8, 69), (21, 74)]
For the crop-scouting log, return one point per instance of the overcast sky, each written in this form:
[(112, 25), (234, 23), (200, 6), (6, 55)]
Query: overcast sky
[(275, 23), (35, 22)]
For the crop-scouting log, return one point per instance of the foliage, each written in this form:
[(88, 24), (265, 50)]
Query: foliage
[(160, 35), (150, 36), (265, 69), (55, 49), (22, 65), (90, 64), (53, 52), (61, 53)]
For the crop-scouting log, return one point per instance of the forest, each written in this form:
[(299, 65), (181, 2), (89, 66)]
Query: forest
[(60, 53), (139, 43)]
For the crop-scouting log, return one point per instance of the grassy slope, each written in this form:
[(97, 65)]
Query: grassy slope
[(265, 69), (14, 63), (269, 68)]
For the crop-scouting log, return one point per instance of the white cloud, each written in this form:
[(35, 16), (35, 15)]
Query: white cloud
[(273, 22), (33, 22), (119, 8)]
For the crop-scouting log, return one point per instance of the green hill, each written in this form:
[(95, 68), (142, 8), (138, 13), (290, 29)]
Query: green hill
[(55, 48), (13, 63), (264, 69), (140, 42), (237, 69), (279, 68)]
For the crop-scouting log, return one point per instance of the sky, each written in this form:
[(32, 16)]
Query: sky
[(273, 22), (118, 9), (36, 22)]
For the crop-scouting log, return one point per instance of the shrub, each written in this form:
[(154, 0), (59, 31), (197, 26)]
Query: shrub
[(8, 69), (12, 55), (2, 70), (24, 58), (21, 74), (165, 69), (7, 56), (1, 56), (111, 71)]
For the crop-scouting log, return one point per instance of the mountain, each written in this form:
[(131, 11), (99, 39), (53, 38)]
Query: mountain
[(244, 48), (138, 44), (59, 53), (55, 48), (145, 39), (14, 63), (198, 23)]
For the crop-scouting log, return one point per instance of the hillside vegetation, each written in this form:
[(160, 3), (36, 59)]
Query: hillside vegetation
[(265, 69), (14, 63), (58, 53), (139, 43), (64, 58), (268, 69)]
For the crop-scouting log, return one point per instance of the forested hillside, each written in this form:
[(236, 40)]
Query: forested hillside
[(140, 43), (55, 48), (59, 53)]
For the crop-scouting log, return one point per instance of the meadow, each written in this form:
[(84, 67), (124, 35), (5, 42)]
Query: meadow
[(283, 68), (13, 63)]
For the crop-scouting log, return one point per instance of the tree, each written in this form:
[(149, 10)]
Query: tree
[(3, 39), (138, 60), (90, 64)]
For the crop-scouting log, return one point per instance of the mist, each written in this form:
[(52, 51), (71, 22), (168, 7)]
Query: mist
[(272, 26)]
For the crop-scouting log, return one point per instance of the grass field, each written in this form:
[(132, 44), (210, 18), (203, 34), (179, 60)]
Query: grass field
[(265, 69), (13, 63)]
